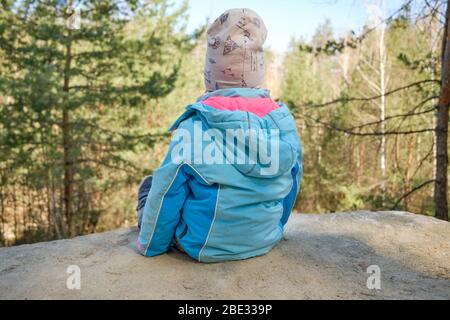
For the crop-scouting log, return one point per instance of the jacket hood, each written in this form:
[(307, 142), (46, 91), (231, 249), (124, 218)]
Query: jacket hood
[(260, 137)]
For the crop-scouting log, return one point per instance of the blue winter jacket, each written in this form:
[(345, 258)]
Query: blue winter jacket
[(218, 210)]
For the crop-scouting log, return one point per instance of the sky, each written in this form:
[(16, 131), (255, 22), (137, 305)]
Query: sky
[(286, 19)]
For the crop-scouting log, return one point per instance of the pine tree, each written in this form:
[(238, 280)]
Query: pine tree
[(72, 92)]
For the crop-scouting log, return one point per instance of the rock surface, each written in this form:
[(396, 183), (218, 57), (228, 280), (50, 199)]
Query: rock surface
[(322, 257)]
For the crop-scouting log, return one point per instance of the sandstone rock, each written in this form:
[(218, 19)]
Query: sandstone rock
[(322, 257)]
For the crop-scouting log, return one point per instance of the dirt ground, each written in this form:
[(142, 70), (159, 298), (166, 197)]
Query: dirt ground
[(322, 257)]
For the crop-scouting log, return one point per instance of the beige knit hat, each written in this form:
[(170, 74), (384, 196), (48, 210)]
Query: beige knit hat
[(235, 56)]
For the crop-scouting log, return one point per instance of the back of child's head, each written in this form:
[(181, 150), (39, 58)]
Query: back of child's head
[(235, 54)]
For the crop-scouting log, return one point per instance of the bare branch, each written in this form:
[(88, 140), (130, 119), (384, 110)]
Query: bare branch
[(423, 185), (429, 154), (405, 115), (360, 99), (367, 134)]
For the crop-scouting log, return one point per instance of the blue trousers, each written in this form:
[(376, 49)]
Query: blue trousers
[(143, 192)]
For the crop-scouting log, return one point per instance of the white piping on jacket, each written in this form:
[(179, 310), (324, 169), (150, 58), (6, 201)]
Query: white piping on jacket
[(160, 207), (164, 196), (210, 228), (206, 181)]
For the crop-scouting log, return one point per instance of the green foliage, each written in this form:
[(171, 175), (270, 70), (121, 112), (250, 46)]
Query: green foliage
[(72, 106), (342, 170), (84, 113)]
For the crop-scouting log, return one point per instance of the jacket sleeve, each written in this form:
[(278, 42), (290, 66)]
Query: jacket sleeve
[(163, 208), (289, 201)]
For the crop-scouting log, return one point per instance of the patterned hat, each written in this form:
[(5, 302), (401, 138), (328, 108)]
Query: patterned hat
[(235, 54)]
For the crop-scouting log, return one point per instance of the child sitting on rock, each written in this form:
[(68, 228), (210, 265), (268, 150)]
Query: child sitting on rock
[(232, 174)]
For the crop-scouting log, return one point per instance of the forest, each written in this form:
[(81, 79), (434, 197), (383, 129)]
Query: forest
[(84, 110)]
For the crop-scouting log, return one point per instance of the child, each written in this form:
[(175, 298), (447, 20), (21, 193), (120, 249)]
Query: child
[(220, 195)]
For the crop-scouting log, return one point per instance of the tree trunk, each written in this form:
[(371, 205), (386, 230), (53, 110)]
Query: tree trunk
[(383, 58), (409, 169), (67, 143), (434, 43), (383, 89), (441, 187), (2, 219)]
